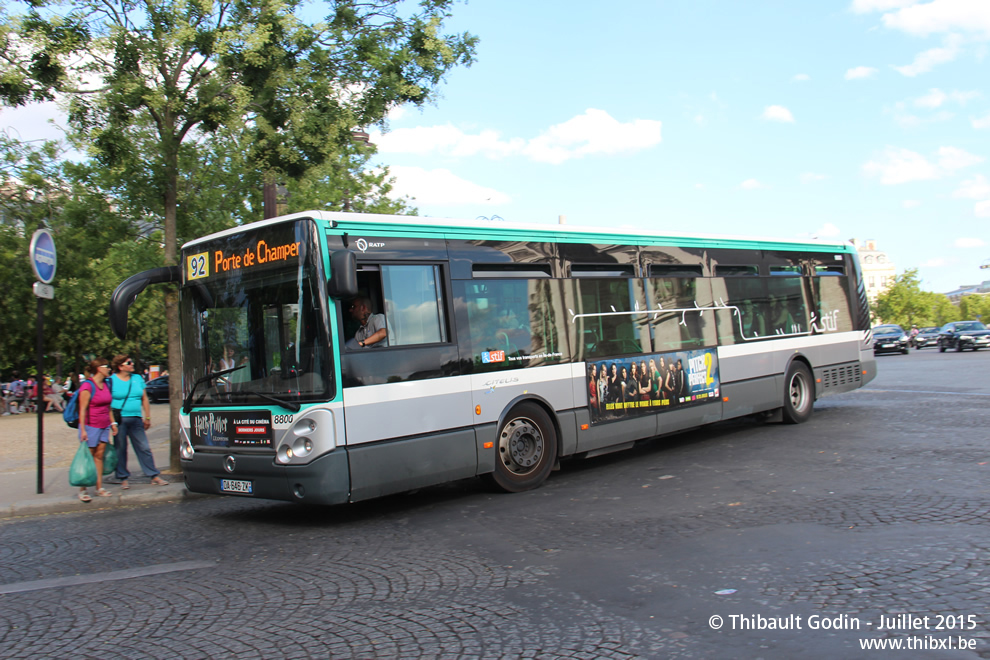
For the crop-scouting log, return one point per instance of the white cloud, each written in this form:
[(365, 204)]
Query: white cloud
[(811, 177), (828, 230), (897, 166), (777, 113), (752, 184), (938, 262), (953, 158), (865, 6), (397, 112), (442, 187), (35, 121), (933, 99), (940, 16), (982, 209), (593, 133), (969, 242), (801, 77), (976, 188), (901, 166), (447, 139), (860, 72), (927, 60), (936, 98), (911, 203), (981, 122)]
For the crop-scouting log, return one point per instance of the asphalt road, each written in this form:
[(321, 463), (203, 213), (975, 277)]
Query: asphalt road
[(745, 540)]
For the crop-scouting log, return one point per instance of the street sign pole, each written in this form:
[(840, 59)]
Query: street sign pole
[(40, 385), (43, 263)]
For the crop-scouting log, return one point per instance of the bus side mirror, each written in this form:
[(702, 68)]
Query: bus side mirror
[(128, 290), (343, 275)]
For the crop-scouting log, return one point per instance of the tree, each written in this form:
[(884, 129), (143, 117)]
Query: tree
[(905, 304), (97, 245), (975, 307), (187, 69)]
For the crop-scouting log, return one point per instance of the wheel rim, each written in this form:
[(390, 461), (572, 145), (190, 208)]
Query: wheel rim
[(798, 391), (521, 446)]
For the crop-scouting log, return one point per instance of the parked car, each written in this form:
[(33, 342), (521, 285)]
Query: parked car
[(889, 338), (157, 389), (927, 337), (964, 334)]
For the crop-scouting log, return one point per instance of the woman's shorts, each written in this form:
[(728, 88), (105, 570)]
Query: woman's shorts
[(94, 436)]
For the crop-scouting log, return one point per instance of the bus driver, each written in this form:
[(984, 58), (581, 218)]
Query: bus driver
[(372, 332)]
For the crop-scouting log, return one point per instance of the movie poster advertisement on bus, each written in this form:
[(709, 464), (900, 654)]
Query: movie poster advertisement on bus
[(625, 387)]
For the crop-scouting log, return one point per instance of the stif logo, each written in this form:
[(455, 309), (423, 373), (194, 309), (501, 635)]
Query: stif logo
[(493, 356)]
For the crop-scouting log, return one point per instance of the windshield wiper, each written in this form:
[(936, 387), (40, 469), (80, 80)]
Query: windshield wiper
[(208, 377), (291, 405)]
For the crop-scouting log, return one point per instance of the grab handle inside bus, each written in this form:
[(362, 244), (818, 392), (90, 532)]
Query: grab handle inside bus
[(128, 290), (343, 275)]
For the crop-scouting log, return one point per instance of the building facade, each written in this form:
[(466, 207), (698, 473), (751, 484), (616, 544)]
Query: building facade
[(878, 270)]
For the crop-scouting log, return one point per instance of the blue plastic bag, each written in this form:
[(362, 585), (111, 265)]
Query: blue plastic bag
[(82, 472)]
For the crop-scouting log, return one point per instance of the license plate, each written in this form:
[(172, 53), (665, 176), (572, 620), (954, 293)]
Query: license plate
[(236, 486), (887, 346)]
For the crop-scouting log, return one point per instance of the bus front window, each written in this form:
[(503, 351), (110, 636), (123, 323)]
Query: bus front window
[(268, 324)]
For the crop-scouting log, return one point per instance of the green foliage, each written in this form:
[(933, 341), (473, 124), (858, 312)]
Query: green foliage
[(974, 307), (98, 245), (905, 304)]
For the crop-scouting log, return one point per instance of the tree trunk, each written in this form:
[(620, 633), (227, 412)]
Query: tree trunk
[(172, 307)]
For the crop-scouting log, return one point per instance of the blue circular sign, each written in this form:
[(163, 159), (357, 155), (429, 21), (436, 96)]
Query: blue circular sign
[(43, 260)]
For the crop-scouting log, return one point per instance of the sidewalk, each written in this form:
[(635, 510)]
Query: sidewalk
[(19, 474)]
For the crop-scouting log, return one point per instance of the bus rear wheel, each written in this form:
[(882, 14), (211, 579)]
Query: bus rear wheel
[(799, 394), (526, 449)]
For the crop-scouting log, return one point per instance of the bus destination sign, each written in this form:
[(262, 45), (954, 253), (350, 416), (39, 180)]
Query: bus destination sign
[(219, 261)]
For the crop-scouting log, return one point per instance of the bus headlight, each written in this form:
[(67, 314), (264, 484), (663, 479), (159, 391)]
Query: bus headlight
[(314, 433), (186, 450)]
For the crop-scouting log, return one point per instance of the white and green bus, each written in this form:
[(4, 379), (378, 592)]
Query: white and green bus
[(506, 349)]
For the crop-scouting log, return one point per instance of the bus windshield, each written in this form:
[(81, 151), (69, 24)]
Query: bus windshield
[(261, 309)]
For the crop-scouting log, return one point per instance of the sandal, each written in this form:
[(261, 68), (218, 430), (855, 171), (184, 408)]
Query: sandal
[(124, 485), (158, 481), (103, 492), (84, 497)]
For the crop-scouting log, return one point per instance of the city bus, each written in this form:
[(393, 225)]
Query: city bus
[(499, 350)]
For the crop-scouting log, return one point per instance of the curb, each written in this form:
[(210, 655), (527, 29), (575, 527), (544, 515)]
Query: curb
[(70, 503)]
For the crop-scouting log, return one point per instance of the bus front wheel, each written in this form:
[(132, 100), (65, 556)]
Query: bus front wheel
[(526, 449), (799, 394)]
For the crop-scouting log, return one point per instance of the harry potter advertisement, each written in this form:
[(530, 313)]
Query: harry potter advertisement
[(625, 387)]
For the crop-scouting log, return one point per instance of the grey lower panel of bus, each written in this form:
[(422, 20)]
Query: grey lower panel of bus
[(324, 481), (621, 432), (752, 396), (392, 467)]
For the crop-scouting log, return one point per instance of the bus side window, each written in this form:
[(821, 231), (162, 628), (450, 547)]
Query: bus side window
[(413, 305)]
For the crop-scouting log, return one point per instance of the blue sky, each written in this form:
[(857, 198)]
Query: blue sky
[(866, 119), (857, 119)]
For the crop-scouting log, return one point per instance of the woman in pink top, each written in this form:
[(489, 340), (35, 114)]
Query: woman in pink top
[(95, 421)]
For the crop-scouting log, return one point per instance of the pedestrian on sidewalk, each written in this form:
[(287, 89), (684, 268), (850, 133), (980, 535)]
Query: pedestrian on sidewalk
[(132, 410), (95, 422), (53, 396)]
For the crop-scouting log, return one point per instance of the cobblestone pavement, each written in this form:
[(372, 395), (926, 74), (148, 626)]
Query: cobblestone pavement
[(878, 507)]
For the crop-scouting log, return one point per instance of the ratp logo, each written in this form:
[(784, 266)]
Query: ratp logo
[(363, 245)]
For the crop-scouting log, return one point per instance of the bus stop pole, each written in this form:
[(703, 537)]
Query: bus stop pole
[(40, 396)]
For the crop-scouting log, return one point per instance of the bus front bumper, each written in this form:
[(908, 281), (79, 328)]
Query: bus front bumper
[(325, 480)]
